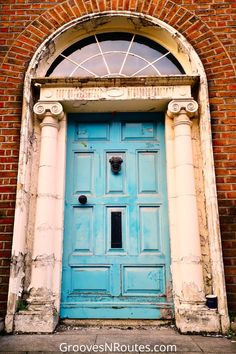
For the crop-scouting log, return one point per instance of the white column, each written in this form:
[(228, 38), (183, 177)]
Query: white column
[(186, 264), (43, 257)]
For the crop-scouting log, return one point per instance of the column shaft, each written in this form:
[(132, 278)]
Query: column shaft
[(43, 257), (189, 286)]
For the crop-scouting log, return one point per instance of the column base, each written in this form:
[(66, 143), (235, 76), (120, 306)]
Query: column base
[(197, 319), (40, 314), (36, 322)]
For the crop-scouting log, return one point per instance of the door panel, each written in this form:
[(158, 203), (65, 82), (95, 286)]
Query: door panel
[(83, 172), (147, 182), (115, 183), (91, 279), (143, 280), (149, 218), (116, 246), (83, 230)]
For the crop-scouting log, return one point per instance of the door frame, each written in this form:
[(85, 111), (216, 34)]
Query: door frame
[(55, 99)]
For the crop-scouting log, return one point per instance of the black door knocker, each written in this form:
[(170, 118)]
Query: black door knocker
[(116, 162)]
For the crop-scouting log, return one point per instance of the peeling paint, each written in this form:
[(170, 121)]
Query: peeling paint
[(169, 291), (43, 260), (90, 26), (17, 273), (201, 204), (191, 293), (19, 186), (140, 23), (197, 320), (166, 313)]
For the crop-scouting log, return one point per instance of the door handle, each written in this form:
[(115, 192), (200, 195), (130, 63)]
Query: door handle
[(82, 199)]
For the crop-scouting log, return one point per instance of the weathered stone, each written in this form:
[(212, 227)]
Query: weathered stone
[(233, 326), (36, 322), (197, 319)]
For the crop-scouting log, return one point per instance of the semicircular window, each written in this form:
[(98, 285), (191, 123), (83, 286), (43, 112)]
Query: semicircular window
[(115, 54)]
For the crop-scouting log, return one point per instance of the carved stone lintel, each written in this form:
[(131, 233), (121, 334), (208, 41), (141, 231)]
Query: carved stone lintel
[(176, 107), (53, 109)]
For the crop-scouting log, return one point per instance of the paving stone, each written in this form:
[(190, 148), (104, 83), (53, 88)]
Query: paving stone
[(16, 352), (215, 345), (185, 344), (42, 344)]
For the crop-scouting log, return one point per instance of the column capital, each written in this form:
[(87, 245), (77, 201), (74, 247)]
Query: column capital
[(53, 109), (189, 107)]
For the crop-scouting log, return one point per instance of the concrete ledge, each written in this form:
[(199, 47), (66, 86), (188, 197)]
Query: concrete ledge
[(114, 323)]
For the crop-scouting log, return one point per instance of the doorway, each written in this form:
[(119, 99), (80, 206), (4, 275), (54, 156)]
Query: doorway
[(116, 243)]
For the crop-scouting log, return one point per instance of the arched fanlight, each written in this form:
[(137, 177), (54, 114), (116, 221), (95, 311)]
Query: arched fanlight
[(115, 54)]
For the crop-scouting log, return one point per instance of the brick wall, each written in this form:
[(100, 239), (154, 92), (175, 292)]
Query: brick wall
[(208, 25)]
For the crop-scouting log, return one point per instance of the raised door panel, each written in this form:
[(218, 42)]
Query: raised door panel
[(143, 280), (83, 172), (138, 131), (83, 231), (91, 279), (147, 172), (92, 131), (150, 230), (115, 183)]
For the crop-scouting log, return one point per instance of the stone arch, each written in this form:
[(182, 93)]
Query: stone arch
[(197, 32)]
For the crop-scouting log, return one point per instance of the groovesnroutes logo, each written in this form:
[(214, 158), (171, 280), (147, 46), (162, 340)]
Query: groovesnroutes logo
[(117, 347)]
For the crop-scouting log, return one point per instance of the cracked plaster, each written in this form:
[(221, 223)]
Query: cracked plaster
[(201, 205)]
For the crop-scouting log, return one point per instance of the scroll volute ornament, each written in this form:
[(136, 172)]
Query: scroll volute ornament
[(55, 109), (116, 162), (189, 106)]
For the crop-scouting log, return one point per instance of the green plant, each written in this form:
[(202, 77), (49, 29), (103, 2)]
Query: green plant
[(22, 305)]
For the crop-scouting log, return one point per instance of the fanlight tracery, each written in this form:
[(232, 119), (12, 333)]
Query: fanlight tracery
[(115, 54)]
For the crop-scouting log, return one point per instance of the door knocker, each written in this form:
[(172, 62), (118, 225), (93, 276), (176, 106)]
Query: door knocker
[(116, 162)]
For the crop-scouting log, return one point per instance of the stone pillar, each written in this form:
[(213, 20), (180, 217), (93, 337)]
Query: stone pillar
[(41, 315), (190, 309)]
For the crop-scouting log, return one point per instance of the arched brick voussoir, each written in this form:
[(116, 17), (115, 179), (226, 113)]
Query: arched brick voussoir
[(193, 28), (197, 32)]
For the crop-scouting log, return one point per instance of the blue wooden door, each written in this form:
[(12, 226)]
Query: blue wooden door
[(116, 244)]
